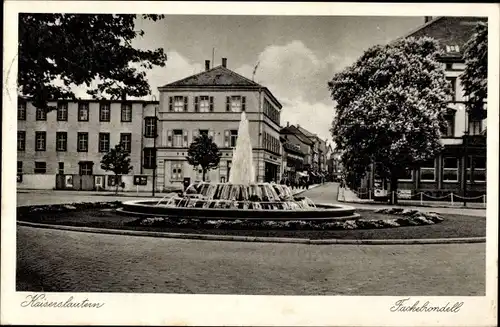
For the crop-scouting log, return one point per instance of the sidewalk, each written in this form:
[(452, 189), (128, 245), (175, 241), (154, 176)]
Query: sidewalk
[(348, 196), (158, 194), (97, 193)]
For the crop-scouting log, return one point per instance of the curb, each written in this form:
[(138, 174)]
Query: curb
[(208, 237)]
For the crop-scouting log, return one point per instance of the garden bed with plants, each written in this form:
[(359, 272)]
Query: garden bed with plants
[(379, 224)]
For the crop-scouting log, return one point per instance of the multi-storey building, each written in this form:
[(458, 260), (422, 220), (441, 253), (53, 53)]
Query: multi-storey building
[(71, 139), (464, 139), (211, 102)]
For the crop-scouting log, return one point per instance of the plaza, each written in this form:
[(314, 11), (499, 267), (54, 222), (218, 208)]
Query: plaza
[(65, 261)]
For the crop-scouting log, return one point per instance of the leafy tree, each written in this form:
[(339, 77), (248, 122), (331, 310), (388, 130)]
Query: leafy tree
[(475, 77), (76, 49), (117, 160), (390, 107), (204, 152)]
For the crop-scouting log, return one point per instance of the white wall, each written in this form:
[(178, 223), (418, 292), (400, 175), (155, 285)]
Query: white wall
[(38, 182)]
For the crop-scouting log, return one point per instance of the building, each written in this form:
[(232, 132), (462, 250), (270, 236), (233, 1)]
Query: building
[(70, 141), (335, 168), (211, 102), (465, 135)]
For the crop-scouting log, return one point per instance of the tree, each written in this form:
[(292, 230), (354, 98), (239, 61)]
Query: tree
[(117, 160), (474, 79), (390, 108), (204, 152), (77, 49)]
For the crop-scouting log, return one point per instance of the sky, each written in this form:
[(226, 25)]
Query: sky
[(297, 55)]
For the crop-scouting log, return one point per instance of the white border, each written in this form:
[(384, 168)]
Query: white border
[(242, 310)]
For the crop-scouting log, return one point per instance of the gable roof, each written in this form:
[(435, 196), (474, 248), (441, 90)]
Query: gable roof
[(219, 76), (451, 32)]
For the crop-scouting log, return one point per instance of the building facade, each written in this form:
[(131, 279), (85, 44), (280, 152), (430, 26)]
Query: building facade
[(71, 139), (462, 164), (211, 102)]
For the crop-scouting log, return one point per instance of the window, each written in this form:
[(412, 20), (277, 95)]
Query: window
[(105, 112), (126, 141), (449, 130), (453, 84), (103, 142), (40, 141), (450, 169), (149, 158), (203, 104), (235, 103), (126, 115), (60, 171), (83, 142), (203, 131), (41, 114), (86, 167), (177, 170), (21, 109), (19, 167), (61, 141), (271, 112), (178, 103), (230, 137), (150, 127), (62, 111), (40, 167), (177, 141), (83, 111), (475, 126), (21, 140), (478, 166), (428, 171)]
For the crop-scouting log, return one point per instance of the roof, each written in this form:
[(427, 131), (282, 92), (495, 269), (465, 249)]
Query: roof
[(451, 32), (295, 131), (219, 76)]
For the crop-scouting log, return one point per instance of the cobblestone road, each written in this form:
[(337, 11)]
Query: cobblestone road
[(52, 260), (86, 262)]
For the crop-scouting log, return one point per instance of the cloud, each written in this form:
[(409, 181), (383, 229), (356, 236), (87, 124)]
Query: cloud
[(298, 77)]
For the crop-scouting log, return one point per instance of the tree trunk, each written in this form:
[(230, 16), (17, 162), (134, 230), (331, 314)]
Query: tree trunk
[(204, 173), (394, 188), (116, 184)]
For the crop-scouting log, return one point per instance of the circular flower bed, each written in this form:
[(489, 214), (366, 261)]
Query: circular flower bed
[(400, 218)]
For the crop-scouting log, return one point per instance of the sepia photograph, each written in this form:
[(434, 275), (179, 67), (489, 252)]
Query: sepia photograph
[(218, 161)]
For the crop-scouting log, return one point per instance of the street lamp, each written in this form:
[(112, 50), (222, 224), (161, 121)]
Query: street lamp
[(466, 156), (154, 147)]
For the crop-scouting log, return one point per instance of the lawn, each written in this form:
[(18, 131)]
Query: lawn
[(453, 226)]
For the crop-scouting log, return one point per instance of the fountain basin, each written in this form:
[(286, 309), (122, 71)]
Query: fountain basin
[(149, 208)]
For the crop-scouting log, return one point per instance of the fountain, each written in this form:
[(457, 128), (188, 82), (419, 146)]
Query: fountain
[(240, 198)]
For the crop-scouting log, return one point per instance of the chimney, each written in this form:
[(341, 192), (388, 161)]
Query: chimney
[(124, 95), (427, 19), (287, 124), (224, 62), (207, 65)]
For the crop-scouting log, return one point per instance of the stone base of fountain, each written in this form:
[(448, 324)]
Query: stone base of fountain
[(260, 201), (148, 208)]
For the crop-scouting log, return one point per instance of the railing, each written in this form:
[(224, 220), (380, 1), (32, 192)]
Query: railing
[(420, 196)]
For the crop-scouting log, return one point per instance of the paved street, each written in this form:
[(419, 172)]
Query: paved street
[(84, 262)]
